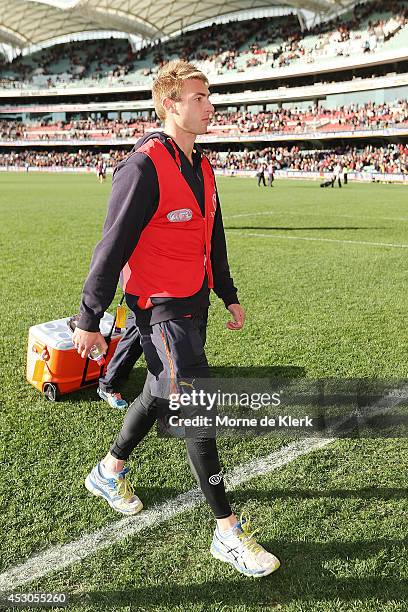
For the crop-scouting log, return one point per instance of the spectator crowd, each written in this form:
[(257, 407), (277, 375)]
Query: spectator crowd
[(369, 116), (392, 158), (83, 129), (352, 117)]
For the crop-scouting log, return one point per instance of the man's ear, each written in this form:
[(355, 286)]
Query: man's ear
[(168, 104)]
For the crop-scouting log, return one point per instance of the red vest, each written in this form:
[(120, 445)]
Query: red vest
[(174, 249)]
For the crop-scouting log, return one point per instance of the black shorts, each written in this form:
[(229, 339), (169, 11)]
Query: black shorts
[(174, 352)]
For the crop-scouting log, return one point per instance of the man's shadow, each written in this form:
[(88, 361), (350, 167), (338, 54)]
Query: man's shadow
[(307, 575)]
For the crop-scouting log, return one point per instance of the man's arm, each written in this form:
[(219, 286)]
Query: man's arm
[(223, 282), (133, 202)]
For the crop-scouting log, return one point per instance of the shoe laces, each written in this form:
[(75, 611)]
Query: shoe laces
[(123, 487), (247, 536)]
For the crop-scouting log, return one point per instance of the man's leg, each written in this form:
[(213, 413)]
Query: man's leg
[(143, 412), (187, 348), (108, 478), (183, 342), (202, 455), (180, 345), (127, 353), (139, 419)]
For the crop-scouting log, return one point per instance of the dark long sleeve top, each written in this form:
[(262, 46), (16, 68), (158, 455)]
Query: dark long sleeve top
[(133, 202)]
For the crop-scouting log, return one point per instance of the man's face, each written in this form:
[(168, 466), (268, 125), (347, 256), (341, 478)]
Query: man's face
[(192, 112)]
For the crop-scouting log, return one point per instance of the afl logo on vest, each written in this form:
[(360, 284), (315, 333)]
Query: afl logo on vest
[(177, 216)]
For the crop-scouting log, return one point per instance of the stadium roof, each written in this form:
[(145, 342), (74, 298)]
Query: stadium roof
[(24, 23)]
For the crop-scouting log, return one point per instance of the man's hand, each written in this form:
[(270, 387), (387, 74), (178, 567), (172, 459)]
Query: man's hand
[(238, 314), (85, 340)]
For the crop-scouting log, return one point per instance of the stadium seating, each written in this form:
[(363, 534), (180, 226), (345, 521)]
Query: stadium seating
[(389, 159), (392, 158), (239, 48), (235, 47), (347, 118)]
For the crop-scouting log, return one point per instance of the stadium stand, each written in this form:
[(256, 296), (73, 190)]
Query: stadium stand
[(366, 116), (238, 47), (86, 129), (302, 97), (388, 159), (370, 116)]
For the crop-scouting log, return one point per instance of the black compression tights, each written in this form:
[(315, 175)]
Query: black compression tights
[(202, 453)]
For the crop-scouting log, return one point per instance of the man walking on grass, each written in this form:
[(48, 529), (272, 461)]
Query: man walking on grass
[(164, 231)]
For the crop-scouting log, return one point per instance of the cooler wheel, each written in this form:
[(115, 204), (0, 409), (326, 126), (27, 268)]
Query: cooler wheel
[(51, 392)]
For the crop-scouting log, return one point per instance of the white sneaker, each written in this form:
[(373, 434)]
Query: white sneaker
[(240, 548), (118, 491), (114, 400)]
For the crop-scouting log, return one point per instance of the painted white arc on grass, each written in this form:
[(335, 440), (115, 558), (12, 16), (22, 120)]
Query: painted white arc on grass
[(313, 239), (284, 213), (62, 556)]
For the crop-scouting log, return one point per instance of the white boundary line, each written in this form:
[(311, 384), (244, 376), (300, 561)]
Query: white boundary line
[(312, 214), (312, 239), (62, 556)]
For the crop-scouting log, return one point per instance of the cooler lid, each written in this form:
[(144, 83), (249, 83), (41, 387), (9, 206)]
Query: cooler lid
[(57, 335)]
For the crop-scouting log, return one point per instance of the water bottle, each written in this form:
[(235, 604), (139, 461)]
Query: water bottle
[(97, 355)]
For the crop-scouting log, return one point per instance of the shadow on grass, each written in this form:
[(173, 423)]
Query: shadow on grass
[(88, 393), (270, 495), (307, 574), (275, 371), (292, 229), (134, 384)]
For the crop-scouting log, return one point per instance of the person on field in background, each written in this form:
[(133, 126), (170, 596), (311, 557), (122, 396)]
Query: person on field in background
[(164, 231), (271, 174), (261, 175), (345, 173), (101, 170), (337, 174)]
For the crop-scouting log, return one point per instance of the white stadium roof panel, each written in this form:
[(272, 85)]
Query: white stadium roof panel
[(24, 23)]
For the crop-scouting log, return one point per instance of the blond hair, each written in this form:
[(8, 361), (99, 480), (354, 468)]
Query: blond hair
[(169, 82)]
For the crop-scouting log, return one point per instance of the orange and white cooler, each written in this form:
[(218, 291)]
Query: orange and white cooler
[(54, 366)]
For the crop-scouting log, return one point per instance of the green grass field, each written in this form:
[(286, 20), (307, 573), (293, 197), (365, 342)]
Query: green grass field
[(323, 276)]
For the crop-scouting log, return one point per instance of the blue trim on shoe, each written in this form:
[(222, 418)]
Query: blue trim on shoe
[(114, 403), (94, 483), (106, 488), (98, 488)]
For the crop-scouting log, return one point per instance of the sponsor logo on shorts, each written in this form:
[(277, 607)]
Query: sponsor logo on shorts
[(215, 479), (178, 216)]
